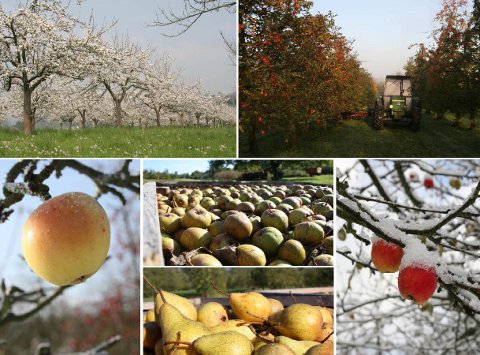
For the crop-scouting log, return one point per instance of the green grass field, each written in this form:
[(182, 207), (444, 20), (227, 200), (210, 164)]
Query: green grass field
[(357, 138), (112, 142)]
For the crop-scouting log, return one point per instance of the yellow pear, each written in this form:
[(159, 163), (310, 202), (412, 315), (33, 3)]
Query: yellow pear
[(299, 347), (176, 327), (250, 306), (236, 325), (181, 303), (223, 343), (212, 314), (274, 349), (298, 321), (327, 316), (66, 239), (150, 316), (321, 349), (276, 305)]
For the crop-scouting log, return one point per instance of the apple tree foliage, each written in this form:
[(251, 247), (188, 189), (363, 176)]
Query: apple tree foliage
[(296, 70), (446, 73), (390, 200)]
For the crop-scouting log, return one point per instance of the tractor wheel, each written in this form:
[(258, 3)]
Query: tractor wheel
[(417, 117), (378, 119)]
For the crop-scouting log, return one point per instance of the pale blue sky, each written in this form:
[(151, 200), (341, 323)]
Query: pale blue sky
[(200, 52), (179, 165), (15, 270), (383, 30)]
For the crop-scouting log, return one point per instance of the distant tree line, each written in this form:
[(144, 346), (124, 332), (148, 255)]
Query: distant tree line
[(446, 74), (274, 169), (198, 282)]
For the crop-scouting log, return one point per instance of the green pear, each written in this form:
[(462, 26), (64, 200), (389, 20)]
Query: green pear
[(321, 349), (216, 228), (268, 239), (179, 211), (256, 223), (285, 208), (196, 217), (275, 218), (293, 201), (321, 208), (274, 349), (308, 233), (169, 222), (186, 308), (236, 325), (205, 260), (279, 262), (298, 215), (238, 226), (223, 343), (181, 200), (322, 260), (212, 314), (172, 323), (250, 306), (207, 202), (246, 207), (171, 245), (250, 255), (262, 206), (293, 252), (194, 238), (328, 245), (299, 321), (298, 347)]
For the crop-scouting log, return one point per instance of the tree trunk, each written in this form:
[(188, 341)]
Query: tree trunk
[(70, 122), (27, 112), (214, 122), (252, 140), (198, 120), (473, 122), (458, 120), (157, 116), (291, 135), (118, 113), (83, 115), (182, 121), (95, 122)]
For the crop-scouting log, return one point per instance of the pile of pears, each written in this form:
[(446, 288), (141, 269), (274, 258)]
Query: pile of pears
[(251, 325), (247, 225)]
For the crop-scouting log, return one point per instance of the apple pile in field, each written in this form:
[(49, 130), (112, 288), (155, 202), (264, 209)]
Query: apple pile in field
[(247, 225), (66, 239), (250, 324), (417, 277)]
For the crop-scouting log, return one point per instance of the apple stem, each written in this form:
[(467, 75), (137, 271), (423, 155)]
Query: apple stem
[(219, 290)]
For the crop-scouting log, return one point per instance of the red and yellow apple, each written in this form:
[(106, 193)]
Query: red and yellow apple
[(386, 256), (66, 239)]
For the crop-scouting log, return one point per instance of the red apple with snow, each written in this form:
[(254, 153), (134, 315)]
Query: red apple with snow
[(417, 283), (428, 182), (417, 279), (386, 256)]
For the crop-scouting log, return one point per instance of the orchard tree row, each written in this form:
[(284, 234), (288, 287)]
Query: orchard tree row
[(56, 67), (447, 73), (297, 70)]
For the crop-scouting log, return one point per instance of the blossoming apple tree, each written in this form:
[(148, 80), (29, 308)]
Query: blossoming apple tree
[(428, 211), (41, 40)]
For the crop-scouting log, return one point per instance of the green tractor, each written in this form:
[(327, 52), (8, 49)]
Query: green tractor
[(397, 103)]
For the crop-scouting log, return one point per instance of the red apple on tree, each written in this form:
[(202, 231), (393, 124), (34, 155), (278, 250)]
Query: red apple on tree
[(417, 283), (386, 256), (428, 182)]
